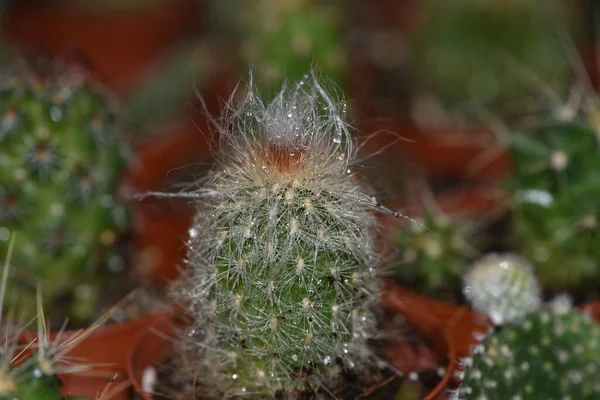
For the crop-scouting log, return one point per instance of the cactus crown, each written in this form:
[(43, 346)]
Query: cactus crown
[(281, 283)]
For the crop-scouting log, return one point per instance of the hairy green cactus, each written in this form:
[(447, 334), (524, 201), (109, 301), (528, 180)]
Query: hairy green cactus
[(281, 283), (502, 286), (549, 351), (435, 252), (484, 51), (554, 188), (59, 171), (551, 354)]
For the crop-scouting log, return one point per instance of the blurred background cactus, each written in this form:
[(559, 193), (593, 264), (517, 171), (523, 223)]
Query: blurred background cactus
[(473, 54), (282, 39), (554, 185), (60, 167), (537, 350), (435, 252)]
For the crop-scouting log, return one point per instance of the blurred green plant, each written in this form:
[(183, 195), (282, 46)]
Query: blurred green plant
[(436, 251), (282, 39), (483, 52), (60, 167), (555, 186)]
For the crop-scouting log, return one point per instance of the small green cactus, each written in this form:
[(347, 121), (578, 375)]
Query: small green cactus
[(549, 351), (502, 286), (435, 253), (31, 373), (59, 169), (282, 284), (554, 187), (282, 39), (551, 354)]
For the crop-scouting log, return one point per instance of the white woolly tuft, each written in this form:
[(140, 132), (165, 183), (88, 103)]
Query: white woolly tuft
[(281, 278)]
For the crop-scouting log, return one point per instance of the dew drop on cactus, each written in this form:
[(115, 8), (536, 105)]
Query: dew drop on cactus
[(502, 286), (281, 283)]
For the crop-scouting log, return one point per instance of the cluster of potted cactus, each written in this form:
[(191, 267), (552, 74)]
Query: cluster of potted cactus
[(286, 286)]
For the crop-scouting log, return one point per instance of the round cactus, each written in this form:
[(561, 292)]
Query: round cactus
[(435, 251), (59, 169), (551, 354), (554, 186), (502, 286), (281, 286), (31, 373)]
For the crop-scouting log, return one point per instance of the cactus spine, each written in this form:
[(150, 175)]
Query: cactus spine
[(281, 259)]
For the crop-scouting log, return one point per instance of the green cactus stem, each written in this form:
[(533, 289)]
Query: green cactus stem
[(59, 170), (281, 264), (554, 188), (550, 354)]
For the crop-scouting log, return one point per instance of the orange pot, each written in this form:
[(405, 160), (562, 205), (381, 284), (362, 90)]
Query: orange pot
[(119, 46), (448, 153), (160, 226), (452, 328), (108, 346)]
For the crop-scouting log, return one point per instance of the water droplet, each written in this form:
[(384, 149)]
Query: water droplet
[(56, 114)]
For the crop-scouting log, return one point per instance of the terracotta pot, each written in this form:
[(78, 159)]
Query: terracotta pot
[(119, 46), (443, 153), (449, 324), (108, 346), (151, 346), (160, 226), (451, 327)]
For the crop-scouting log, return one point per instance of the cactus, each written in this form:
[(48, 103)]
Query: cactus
[(281, 282), (283, 39), (502, 286), (554, 186), (551, 354), (435, 252), (548, 351), (31, 373), (59, 171), (483, 52)]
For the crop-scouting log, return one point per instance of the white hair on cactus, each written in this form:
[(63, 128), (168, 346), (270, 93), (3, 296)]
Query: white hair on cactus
[(280, 273), (502, 286)]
